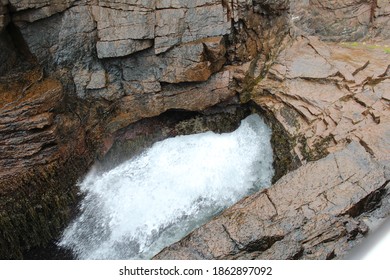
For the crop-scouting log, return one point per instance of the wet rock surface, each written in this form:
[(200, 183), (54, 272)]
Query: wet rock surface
[(43, 151), (332, 96), (310, 213), (75, 74)]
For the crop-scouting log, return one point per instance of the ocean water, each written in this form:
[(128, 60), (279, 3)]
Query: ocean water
[(153, 200)]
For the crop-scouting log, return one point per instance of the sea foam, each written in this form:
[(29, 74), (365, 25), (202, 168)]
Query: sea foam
[(152, 200)]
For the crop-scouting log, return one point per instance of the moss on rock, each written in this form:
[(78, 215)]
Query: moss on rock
[(35, 214)]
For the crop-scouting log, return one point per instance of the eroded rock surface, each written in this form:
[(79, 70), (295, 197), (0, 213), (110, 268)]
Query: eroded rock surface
[(308, 214), (333, 96), (332, 99), (33, 10), (328, 20), (328, 94), (23, 115), (191, 97), (177, 41), (43, 151)]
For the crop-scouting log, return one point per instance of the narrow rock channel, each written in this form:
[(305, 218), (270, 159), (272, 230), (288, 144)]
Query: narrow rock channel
[(154, 199)]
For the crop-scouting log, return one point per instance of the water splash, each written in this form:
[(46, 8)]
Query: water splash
[(136, 209)]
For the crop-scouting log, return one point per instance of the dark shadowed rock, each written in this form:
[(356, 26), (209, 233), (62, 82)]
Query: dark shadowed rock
[(43, 151), (4, 17)]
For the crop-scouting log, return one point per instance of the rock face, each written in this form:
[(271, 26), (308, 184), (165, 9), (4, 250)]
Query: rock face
[(74, 73), (327, 94), (307, 214), (34, 10), (41, 144), (332, 99), (29, 113), (167, 23), (191, 97), (327, 19), (137, 48)]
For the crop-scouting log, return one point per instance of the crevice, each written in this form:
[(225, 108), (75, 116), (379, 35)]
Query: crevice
[(262, 244), (285, 159), (317, 52), (331, 255), (270, 200), (385, 74), (16, 56), (338, 168), (298, 255), (366, 147), (374, 6), (359, 102), (359, 69), (327, 199), (368, 203), (20, 44), (229, 13), (237, 245)]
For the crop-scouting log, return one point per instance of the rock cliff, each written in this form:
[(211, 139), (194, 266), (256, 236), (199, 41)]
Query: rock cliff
[(74, 73)]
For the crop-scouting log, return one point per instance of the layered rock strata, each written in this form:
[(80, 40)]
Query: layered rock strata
[(333, 101), (307, 214), (341, 20), (43, 151), (328, 94)]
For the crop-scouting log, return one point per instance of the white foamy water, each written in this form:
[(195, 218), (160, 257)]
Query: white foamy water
[(139, 207)]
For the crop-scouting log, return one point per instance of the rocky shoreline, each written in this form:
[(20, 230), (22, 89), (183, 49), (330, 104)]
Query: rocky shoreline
[(70, 92)]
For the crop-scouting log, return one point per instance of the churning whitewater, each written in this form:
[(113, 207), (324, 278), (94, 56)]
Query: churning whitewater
[(141, 206)]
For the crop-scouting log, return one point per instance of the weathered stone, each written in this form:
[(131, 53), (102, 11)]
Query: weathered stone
[(42, 153), (67, 37), (300, 209), (33, 10), (126, 5), (187, 22), (193, 62), (193, 97), (124, 28), (20, 5), (98, 80), (27, 126), (130, 60), (381, 19), (376, 139), (121, 25), (120, 48), (327, 18), (310, 209), (329, 103)]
